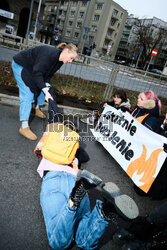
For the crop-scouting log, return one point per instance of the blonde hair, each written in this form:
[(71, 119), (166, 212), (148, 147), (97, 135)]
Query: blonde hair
[(70, 46)]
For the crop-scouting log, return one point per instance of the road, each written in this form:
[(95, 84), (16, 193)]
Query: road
[(100, 72), (21, 220)]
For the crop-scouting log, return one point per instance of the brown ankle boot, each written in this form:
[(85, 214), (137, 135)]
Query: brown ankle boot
[(38, 113), (26, 132)]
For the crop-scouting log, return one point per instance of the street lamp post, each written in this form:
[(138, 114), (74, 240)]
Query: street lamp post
[(29, 20), (37, 20)]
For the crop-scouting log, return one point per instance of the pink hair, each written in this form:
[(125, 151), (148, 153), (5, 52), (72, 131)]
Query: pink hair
[(150, 95)]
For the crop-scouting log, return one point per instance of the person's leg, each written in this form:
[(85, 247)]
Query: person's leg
[(39, 101), (59, 217), (26, 99), (91, 228), (61, 197), (143, 227), (158, 215)]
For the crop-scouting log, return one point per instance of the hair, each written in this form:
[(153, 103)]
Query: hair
[(152, 100), (70, 46), (121, 94)]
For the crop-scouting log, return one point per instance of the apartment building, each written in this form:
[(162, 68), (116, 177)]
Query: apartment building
[(94, 23)]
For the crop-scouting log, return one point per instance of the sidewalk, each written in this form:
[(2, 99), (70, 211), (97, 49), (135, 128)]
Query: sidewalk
[(14, 101)]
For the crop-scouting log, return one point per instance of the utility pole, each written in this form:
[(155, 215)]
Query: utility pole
[(37, 20), (29, 21)]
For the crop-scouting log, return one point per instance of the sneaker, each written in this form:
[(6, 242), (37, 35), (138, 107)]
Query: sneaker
[(124, 205), (26, 132)]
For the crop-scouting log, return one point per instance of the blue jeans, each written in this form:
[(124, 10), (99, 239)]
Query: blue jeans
[(63, 223), (25, 94)]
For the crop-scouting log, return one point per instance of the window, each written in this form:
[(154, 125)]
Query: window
[(81, 14), (48, 18), (84, 3), (70, 23), (94, 28), (109, 33), (76, 34), (118, 25), (62, 23), (64, 13), (99, 6), (121, 15), (79, 24), (112, 22), (55, 8), (72, 13), (96, 17), (75, 3), (68, 33), (49, 7), (115, 12), (115, 35)]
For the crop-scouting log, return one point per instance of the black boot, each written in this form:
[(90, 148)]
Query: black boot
[(117, 203), (86, 181)]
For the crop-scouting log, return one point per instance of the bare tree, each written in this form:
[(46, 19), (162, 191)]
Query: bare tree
[(147, 36)]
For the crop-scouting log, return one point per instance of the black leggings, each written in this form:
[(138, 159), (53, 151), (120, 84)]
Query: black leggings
[(53, 113)]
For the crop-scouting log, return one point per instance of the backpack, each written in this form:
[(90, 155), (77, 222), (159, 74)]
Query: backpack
[(60, 144)]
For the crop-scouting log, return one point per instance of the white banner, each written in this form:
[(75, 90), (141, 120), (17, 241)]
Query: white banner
[(138, 150)]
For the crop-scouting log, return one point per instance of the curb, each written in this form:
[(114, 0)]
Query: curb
[(14, 101)]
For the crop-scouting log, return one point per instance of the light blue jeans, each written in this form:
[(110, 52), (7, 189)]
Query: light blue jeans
[(25, 94), (63, 223)]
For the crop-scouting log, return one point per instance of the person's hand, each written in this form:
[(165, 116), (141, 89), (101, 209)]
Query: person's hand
[(105, 105), (48, 96)]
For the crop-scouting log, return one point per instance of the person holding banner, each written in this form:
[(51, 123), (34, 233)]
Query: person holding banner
[(148, 232), (120, 101), (147, 110), (33, 69)]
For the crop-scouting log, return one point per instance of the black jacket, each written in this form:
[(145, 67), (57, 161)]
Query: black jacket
[(39, 65)]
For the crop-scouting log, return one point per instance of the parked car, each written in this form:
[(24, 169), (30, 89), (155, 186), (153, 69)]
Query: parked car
[(157, 71)]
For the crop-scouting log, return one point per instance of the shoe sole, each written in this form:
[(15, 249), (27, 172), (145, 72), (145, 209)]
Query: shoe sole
[(93, 179), (124, 204)]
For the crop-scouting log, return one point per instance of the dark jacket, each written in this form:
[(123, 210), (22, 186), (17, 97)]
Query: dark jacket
[(39, 65), (151, 121)]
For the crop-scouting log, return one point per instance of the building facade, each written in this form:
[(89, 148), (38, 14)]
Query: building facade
[(95, 26), (17, 20)]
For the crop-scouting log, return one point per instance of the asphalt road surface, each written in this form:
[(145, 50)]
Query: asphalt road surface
[(21, 221)]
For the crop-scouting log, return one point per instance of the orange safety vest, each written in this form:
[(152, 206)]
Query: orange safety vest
[(140, 118)]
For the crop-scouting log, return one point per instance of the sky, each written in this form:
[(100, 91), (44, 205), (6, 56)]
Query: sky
[(145, 8)]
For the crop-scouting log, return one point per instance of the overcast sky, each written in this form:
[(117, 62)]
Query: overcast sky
[(145, 8)]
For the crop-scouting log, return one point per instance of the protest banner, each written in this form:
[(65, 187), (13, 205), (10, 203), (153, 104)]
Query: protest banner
[(138, 150)]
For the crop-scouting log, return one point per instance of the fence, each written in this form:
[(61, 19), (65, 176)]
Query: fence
[(106, 75), (95, 79)]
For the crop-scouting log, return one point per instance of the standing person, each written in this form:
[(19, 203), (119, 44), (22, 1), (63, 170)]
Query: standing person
[(120, 101), (33, 69)]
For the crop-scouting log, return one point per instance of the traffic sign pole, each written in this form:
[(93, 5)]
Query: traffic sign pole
[(154, 53)]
